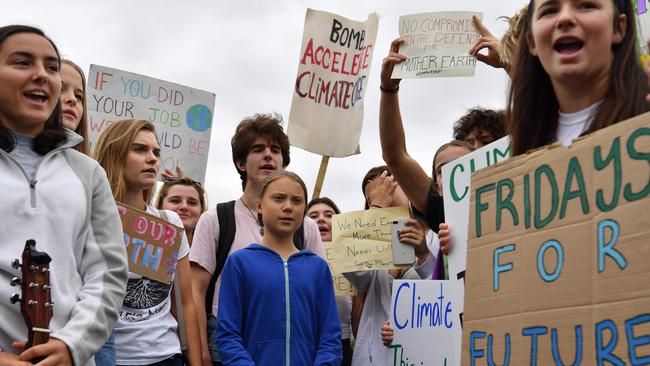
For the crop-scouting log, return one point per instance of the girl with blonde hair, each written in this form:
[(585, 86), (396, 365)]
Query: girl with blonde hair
[(145, 333)]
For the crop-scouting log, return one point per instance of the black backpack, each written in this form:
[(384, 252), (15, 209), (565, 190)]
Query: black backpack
[(227, 227)]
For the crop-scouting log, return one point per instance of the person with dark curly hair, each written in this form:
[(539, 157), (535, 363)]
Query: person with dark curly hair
[(480, 127)]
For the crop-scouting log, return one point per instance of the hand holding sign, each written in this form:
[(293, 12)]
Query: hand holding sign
[(362, 239)]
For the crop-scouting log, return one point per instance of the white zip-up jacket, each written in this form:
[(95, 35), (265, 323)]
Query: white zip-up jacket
[(68, 209)]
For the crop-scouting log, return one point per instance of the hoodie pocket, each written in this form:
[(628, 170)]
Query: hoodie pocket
[(302, 353), (270, 353)]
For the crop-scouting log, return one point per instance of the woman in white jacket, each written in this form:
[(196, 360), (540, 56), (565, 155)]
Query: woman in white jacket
[(60, 198)]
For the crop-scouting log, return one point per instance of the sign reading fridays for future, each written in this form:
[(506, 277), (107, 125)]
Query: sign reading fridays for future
[(437, 45), (182, 115), (152, 244), (327, 106), (425, 316), (558, 258)]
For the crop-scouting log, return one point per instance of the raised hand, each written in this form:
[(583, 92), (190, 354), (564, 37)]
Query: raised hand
[(387, 66), (486, 41)]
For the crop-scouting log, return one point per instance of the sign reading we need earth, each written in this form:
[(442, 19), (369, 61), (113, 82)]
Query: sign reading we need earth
[(342, 287), (558, 260), (182, 115), (327, 106), (437, 44), (425, 316), (362, 240)]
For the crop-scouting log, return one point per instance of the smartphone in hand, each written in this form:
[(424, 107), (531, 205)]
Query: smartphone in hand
[(402, 253)]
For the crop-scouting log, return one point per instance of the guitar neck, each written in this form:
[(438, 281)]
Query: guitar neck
[(36, 304)]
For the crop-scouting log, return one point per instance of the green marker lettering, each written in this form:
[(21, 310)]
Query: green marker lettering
[(574, 171), (506, 203), (480, 207), (600, 164), (550, 175), (634, 154)]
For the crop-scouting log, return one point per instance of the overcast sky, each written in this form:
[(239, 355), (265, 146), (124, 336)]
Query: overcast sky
[(246, 52)]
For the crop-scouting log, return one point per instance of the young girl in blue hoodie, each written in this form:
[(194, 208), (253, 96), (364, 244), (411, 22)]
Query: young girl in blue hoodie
[(276, 304)]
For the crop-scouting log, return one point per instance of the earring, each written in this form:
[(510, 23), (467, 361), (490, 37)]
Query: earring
[(262, 231)]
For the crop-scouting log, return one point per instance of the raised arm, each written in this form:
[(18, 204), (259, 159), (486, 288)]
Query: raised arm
[(413, 180)]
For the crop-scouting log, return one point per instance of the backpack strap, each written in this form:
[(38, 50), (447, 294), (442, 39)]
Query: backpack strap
[(227, 227)]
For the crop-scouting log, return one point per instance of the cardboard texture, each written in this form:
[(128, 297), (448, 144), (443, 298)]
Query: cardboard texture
[(152, 244), (182, 115), (425, 316), (342, 287), (437, 44), (361, 240), (327, 104), (558, 260)]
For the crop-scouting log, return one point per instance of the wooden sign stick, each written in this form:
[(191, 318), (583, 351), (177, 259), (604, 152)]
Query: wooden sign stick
[(321, 177)]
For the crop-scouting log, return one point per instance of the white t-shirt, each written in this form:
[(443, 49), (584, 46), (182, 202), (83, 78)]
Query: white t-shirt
[(145, 332), (572, 125)]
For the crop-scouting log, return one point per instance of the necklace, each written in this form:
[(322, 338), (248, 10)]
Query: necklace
[(253, 216)]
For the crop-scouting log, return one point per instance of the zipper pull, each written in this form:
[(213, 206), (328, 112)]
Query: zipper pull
[(32, 193)]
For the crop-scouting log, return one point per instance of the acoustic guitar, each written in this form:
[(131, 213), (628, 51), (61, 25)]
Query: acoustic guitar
[(36, 303)]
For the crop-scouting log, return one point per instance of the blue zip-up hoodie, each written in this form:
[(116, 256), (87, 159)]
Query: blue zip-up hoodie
[(261, 323)]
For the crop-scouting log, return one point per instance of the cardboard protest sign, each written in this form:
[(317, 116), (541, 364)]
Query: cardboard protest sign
[(182, 115), (437, 45), (425, 316), (558, 260), (342, 287), (361, 240), (456, 179), (327, 106), (152, 244)]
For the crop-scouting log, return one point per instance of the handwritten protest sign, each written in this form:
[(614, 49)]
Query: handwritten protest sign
[(327, 106), (456, 179), (152, 243), (426, 321), (182, 115), (643, 24), (342, 287), (362, 239), (437, 44), (557, 264)]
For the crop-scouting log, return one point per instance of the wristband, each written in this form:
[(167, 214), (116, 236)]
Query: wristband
[(389, 90)]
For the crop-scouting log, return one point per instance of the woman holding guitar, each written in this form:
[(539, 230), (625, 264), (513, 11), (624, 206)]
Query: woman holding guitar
[(73, 273)]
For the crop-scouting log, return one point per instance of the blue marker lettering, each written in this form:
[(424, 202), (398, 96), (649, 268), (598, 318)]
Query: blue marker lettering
[(498, 268), (608, 248)]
